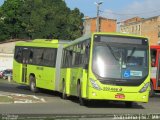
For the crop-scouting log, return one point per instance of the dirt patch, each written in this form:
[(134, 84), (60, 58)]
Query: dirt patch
[(20, 98)]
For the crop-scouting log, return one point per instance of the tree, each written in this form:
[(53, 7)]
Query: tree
[(75, 23), (41, 19), (11, 17), (3, 29)]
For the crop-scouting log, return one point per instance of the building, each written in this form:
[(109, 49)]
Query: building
[(149, 27), (105, 25), (131, 26)]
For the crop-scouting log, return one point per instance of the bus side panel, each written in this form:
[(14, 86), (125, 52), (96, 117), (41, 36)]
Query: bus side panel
[(32, 69), (84, 83), (65, 76), (45, 76), (71, 77), (68, 81), (17, 72), (48, 78), (76, 74)]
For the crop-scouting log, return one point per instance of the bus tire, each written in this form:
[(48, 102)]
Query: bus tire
[(33, 87), (64, 95), (82, 101), (128, 104), (152, 92)]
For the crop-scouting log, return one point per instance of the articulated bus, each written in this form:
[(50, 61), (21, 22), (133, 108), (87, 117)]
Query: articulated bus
[(37, 63), (106, 66), (155, 69), (98, 66)]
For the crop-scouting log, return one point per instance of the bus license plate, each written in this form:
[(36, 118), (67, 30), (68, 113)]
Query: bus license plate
[(120, 96)]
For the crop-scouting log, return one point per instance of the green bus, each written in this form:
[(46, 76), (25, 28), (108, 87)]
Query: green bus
[(35, 63), (98, 66), (106, 66)]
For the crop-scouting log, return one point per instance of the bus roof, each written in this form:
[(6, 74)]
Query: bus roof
[(43, 43), (88, 36), (119, 34)]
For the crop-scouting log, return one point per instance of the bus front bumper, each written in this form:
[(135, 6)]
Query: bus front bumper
[(118, 96)]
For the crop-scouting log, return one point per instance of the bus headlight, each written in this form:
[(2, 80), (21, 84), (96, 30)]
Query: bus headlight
[(144, 88), (94, 84)]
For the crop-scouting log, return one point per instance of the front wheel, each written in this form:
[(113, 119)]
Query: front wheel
[(33, 87)]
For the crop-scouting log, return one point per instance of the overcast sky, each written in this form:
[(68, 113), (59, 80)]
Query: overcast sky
[(116, 9)]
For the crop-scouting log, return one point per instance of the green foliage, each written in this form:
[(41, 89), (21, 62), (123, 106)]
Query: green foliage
[(32, 19)]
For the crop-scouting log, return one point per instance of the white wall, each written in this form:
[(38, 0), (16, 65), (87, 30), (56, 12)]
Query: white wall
[(6, 55), (6, 61)]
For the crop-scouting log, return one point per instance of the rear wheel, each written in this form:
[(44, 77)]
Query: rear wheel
[(64, 96), (128, 104), (152, 92), (33, 87)]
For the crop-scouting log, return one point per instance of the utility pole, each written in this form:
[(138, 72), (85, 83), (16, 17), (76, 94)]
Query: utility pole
[(97, 20)]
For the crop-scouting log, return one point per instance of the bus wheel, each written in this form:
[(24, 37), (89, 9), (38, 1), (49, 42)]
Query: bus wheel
[(128, 104), (64, 96), (33, 87), (82, 102), (152, 92)]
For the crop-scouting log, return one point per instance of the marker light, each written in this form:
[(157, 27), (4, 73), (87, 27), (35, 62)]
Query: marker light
[(144, 88), (94, 84)]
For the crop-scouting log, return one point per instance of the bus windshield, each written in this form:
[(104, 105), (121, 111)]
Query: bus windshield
[(117, 62)]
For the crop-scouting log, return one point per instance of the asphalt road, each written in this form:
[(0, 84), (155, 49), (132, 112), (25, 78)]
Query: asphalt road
[(54, 105)]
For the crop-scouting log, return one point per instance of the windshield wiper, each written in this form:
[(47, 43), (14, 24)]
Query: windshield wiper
[(131, 54), (112, 51)]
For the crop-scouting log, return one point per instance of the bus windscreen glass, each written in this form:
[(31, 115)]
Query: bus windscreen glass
[(119, 62)]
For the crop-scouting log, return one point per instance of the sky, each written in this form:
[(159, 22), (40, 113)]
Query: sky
[(116, 9)]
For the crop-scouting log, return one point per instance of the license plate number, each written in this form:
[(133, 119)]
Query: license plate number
[(120, 96)]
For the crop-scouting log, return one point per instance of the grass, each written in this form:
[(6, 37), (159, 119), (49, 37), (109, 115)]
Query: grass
[(6, 81), (5, 99)]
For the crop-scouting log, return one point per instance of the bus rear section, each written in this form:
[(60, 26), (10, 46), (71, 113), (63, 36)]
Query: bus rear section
[(37, 63), (155, 69)]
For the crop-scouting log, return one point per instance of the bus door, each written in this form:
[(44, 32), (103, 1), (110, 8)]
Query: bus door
[(154, 68), (158, 76), (25, 59)]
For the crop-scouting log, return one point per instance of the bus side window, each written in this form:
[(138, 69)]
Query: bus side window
[(18, 55), (70, 52), (153, 57), (49, 57), (64, 61), (31, 56), (37, 59), (87, 49), (69, 55), (85, 57)]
